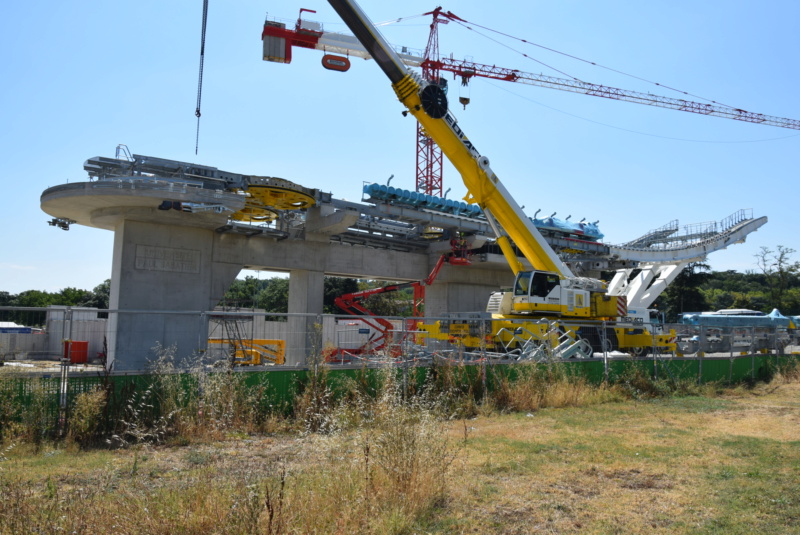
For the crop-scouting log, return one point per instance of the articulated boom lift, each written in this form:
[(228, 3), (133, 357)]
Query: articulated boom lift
[(353, 303), (550, 290)]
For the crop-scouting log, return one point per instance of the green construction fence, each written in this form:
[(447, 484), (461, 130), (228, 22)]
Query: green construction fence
[(281, 386)]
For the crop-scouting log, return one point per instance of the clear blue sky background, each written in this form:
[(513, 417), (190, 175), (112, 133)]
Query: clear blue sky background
[(80, 77)]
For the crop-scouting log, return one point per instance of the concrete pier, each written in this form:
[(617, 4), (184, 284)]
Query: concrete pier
[(171, 261)]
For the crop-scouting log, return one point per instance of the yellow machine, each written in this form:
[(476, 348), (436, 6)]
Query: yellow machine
[(544, 301), (254, 352)]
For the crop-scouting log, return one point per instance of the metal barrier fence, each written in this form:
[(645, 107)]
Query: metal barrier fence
[(699, 340), (256, 338), (52, 355)]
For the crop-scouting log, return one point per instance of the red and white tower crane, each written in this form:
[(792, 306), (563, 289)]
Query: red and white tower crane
[(429, 155), (278, 42)]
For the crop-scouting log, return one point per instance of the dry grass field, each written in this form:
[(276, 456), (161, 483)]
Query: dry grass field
[(729, 464), (726, 463)]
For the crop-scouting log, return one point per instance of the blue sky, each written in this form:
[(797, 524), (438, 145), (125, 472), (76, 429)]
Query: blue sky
[(81, 77)]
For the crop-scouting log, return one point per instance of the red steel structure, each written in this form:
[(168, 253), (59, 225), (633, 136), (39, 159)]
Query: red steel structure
[(429, 180)]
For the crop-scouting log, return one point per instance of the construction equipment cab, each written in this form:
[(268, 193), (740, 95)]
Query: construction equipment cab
[(544, 293), (541, 292)]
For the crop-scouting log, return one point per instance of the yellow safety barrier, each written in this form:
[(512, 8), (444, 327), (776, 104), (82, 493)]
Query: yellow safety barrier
[(254, 352)]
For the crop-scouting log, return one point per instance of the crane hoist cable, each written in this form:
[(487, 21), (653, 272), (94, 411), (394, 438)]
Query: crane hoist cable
[(469, 25), (200, 77)]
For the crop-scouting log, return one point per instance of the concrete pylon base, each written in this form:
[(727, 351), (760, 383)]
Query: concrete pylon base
[(306, 293), (158, 269)]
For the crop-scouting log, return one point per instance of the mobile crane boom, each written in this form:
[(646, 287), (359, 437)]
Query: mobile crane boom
[(428, 104), (551, 288)]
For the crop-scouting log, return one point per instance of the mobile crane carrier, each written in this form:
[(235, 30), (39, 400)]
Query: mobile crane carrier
[(545, 301)]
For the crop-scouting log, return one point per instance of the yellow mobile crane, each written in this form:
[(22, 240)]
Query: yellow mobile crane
[(550, 291)]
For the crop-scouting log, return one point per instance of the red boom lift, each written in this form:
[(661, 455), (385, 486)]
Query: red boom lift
[(352, 303)]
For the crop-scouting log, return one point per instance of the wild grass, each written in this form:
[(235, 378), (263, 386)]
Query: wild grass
[(378, 474), (449, 449), (85, 418), (680, 465), (27, 418), (536, 386)]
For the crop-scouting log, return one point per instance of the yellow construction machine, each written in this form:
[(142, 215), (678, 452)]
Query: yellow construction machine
[(547, 303)]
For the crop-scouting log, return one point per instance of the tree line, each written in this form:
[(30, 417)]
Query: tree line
[(74, 297), (775, 284), (270, 295)]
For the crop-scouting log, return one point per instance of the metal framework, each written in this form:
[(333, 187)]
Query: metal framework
[(429, 180), (469, 69), (429, 155)]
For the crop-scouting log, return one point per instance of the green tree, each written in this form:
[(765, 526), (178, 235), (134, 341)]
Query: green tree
[(336, 287), (684, 294), (719, 299), (274, 297), (744, 300), (780, 272), (393, 303), (100, 296), (72, 297), (244, 292), (34, 298), (7, 299)]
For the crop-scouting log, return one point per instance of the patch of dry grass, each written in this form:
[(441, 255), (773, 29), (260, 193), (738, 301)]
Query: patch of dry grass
[(693, 465), (379, 476), (536, 387), (546, 454)]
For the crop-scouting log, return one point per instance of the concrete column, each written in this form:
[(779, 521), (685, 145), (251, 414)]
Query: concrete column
[(441, 298), (160, 268), (465, 288), (306, 293)]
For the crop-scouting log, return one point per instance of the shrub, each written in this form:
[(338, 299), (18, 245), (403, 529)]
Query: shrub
[(84, 418), (536, 386)]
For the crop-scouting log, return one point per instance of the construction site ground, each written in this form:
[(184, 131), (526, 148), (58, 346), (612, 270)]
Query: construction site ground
[(728, 463)]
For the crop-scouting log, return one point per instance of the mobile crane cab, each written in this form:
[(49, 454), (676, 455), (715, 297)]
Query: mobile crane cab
[(544, 293)]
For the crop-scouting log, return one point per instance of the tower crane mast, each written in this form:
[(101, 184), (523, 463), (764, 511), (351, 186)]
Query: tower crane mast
[(429, 155)]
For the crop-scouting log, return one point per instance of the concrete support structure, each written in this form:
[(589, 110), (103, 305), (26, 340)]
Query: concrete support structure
[(306, 291), (170, 267), (171, 274), (156, 269)]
